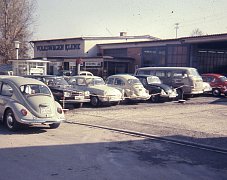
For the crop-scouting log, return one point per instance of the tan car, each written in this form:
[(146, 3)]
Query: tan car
[(132, 87), (100, 93), (27, 101)]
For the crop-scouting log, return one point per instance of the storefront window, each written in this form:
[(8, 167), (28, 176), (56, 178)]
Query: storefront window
[(153, 56)]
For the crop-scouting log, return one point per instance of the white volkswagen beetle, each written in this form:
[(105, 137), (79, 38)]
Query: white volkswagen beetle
[(133, 89), (27, 101), (100, 93)]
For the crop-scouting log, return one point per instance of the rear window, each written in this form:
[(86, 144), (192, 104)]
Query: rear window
[(34, 89)]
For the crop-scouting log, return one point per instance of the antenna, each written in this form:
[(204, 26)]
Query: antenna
[(176, 27)]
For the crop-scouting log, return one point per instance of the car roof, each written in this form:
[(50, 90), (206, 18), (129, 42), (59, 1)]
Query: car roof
[(126, 76), (19, 80), (84, 76), (212, 74), (146, 76), (168, 68)]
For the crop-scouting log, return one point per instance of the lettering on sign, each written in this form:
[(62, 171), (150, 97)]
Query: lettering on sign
[(92, 63), (59, 47)]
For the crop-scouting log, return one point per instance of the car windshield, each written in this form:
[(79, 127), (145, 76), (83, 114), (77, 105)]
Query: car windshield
[(34, 89), (95, 81), (223, 78), (57, 81), (134, 81), (153, 79), (194, 72)]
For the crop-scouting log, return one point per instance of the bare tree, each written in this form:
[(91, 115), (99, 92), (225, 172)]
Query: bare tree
[(197, 32), (16, 18)]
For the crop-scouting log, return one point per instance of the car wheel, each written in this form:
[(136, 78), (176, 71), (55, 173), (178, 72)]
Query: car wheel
[(54, 125), (216, 92), (94, 101), (154, 99), (10, 121)]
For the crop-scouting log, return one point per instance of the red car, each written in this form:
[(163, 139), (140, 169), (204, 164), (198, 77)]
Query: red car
[(218, 83)]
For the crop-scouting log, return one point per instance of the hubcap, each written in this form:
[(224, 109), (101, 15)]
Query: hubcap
[(9, 121), (94, 101)]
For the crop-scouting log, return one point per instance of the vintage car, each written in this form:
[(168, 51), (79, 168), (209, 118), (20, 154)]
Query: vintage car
[(218, 83), (85, 73), (100, 93), (132, 87), (159, 92), (27, 101), (63, 92)]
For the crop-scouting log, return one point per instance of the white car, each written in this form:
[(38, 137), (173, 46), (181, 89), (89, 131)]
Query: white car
[(27, 101), (100, 93), (132, 87)]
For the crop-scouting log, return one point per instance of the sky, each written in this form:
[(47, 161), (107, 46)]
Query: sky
[(77, 18)]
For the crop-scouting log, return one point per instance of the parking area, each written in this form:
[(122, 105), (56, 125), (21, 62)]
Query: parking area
[(87, 145)]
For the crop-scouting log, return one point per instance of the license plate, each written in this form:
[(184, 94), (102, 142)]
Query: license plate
[(79, 97), (45, 110)]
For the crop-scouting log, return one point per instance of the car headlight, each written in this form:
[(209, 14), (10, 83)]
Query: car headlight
[(67, 94), (87, 93), (163, 92)]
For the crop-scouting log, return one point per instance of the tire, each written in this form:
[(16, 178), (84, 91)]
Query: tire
[(10, 121), (216, 92), (94, 101), (54, 125)]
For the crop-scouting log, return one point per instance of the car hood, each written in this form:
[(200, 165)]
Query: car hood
[(41, 106)]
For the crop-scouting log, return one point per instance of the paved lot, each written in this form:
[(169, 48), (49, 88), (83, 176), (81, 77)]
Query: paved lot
[(79, 152)]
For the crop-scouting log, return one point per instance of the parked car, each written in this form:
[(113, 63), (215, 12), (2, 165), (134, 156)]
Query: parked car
[(27, 101), (186, 80), (63, 92), (85, 73), (100, 93), (218, 83), (158, 91), (207, 89), (132, 87)]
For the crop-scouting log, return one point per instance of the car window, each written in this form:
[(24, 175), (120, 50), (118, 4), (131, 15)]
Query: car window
[(110, 81), (6, 90), (98, 81), (223, 78), (143, 81), (160, 73), (153, 79), (33, 89), (81, 82), (119, 82), (134, 81)]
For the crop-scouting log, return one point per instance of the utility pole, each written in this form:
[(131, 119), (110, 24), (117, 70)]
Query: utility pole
[(176, 27)]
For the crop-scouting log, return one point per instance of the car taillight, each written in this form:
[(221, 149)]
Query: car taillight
[(59, 110), (24, 112)]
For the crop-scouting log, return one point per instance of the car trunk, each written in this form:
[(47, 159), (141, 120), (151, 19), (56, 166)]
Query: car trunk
[(43, 106)]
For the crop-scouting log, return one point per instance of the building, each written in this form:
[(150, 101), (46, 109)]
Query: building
[(105, 56), (206, 53), (83, 52)]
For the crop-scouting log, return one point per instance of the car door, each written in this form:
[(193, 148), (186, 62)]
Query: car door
[(1, 102), (5, 94)]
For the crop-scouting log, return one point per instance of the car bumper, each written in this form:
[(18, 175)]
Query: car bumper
[(40, 121), (110, 99), (136, 98), (72, 101)]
